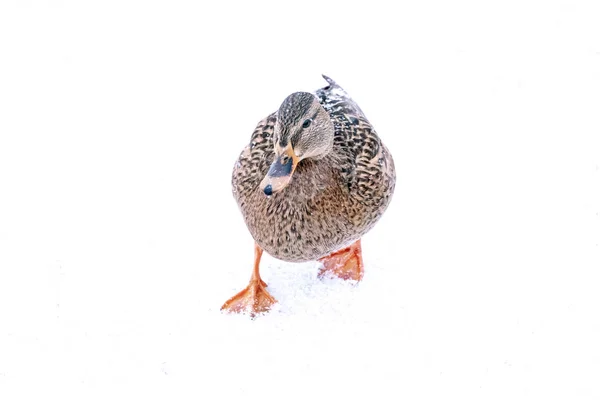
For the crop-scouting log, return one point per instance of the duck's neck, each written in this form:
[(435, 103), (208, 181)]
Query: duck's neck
[(312, 176)]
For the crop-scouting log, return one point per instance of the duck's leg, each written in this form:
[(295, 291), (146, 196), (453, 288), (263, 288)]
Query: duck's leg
[(255, 298), (346, 263)]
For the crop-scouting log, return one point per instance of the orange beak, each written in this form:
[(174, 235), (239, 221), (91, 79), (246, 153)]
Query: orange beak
[(281, 171)]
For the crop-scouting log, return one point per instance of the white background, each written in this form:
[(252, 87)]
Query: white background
[(120, 122)]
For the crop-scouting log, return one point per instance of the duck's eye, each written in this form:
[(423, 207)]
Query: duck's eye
[(306, 123)]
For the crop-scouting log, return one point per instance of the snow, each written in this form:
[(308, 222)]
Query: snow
[(120, 124)]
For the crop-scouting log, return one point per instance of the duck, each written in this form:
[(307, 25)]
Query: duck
[(313, 180)]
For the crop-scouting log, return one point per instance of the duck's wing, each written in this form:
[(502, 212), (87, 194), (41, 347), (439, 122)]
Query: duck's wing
[(366, 165), (254, 161)]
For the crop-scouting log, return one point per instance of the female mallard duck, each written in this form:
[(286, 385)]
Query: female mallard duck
[(313, 180)]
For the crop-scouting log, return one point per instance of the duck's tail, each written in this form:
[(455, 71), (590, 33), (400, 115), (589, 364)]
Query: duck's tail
[(335, 94), (330, 81)]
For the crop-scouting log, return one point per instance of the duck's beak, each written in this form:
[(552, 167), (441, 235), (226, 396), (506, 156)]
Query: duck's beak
[(281, 171)]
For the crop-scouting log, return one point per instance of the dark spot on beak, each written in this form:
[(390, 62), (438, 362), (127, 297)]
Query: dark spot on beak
[(268, 190), (281, 167)]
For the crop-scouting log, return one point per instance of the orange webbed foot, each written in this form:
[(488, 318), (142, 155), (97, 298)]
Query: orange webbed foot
[(346, 263), (255, 299)]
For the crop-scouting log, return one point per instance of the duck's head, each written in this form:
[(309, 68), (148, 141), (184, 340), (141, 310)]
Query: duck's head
[(303, 130)]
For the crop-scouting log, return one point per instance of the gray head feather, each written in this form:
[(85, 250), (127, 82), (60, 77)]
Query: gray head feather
[(291, 111)]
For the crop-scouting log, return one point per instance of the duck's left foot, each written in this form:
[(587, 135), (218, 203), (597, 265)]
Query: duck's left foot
[(255, 299), (346, 263)]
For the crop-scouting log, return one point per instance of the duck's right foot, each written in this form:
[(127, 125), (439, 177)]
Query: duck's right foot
[(346, 263)]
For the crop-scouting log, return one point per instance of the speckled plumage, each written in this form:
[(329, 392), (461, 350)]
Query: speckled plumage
[(330, 202)]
